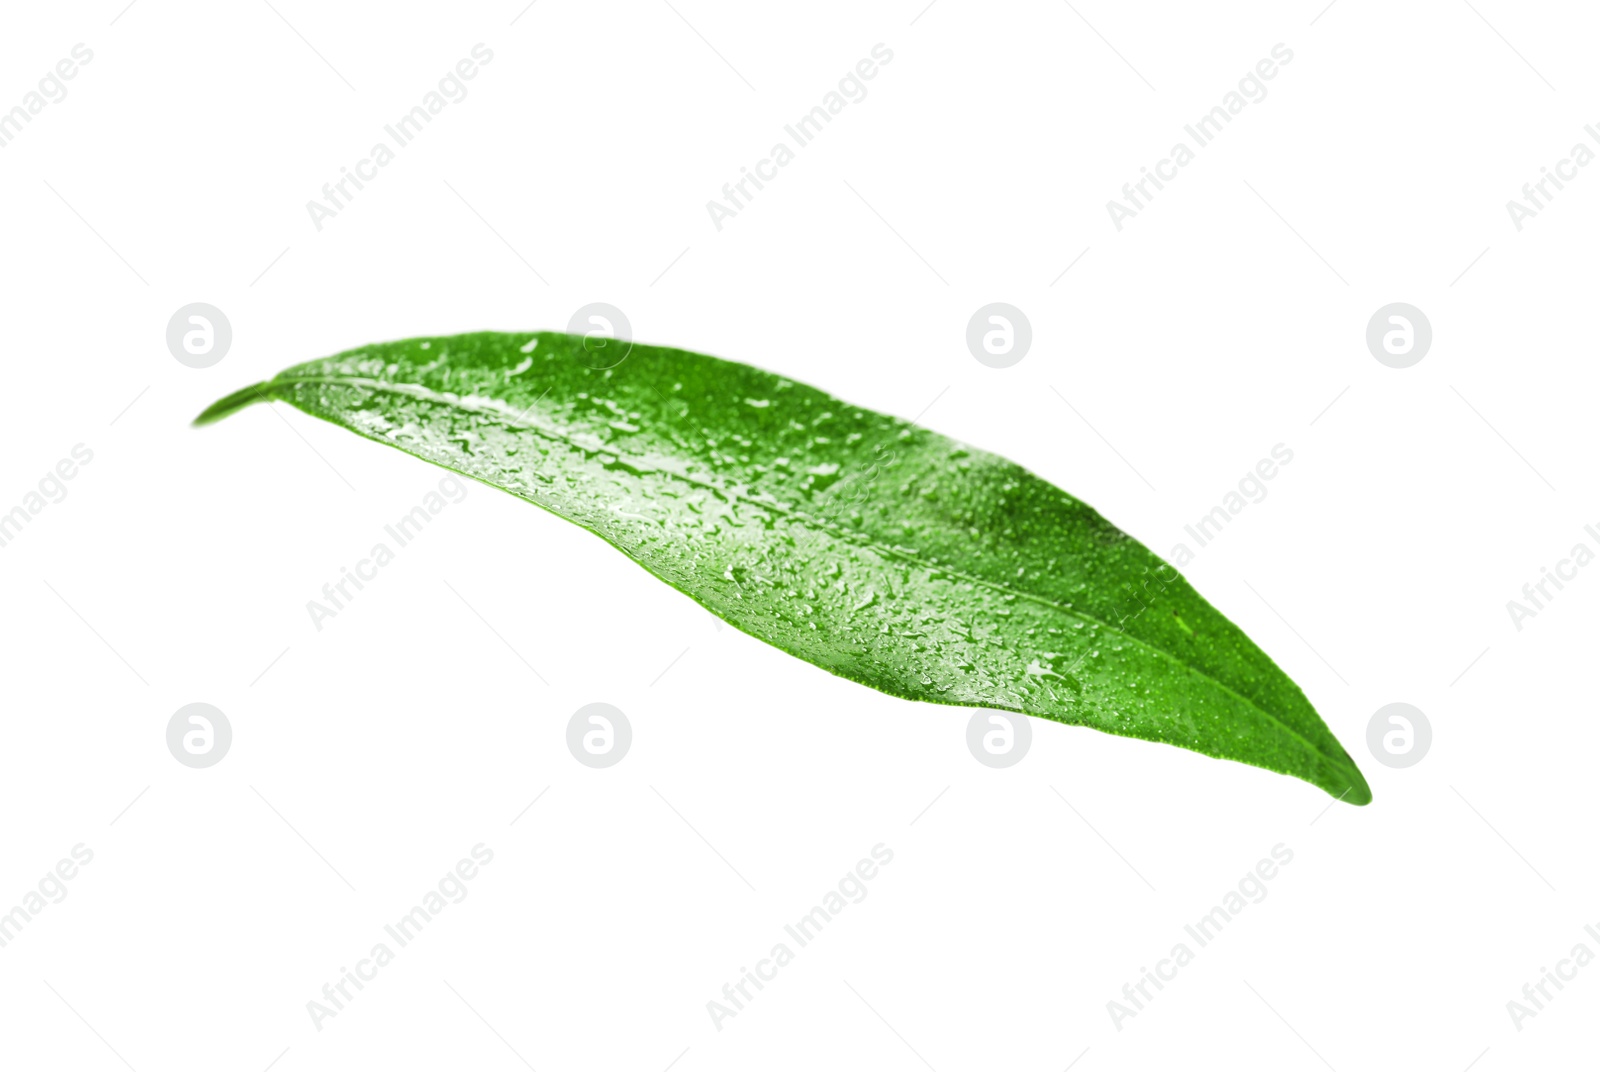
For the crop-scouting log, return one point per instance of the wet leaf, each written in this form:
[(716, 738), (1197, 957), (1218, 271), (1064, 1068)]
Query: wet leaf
[(873, 548)]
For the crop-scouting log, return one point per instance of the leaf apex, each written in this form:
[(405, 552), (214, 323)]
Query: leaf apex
[(1359, 792), (231, 404)]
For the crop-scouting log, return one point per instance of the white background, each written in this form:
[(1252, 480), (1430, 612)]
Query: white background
[(370, 756)]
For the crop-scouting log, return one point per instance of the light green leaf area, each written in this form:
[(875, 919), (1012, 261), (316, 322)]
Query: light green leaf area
[(866, 545)]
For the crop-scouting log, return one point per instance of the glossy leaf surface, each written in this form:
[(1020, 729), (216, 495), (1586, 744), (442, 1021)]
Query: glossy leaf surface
[(871, 547)]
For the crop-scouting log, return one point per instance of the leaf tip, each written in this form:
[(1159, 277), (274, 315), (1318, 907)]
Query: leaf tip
[(222, 407), (1358, 792)]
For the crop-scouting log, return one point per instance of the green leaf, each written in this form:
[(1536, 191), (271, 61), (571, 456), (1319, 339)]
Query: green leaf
[(859, 542)]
